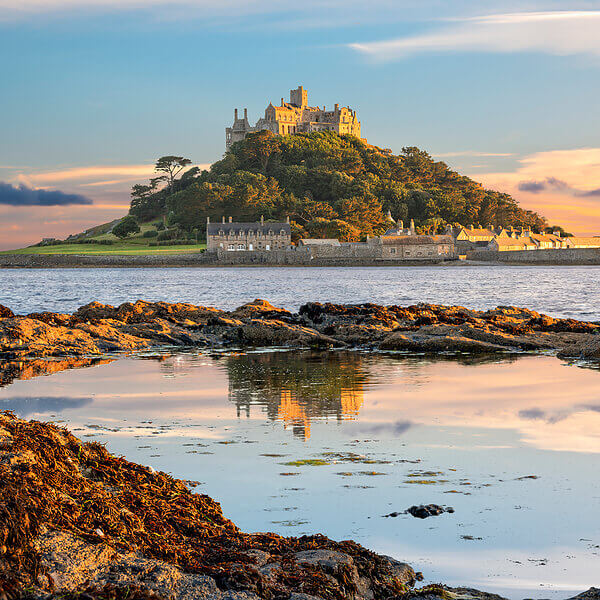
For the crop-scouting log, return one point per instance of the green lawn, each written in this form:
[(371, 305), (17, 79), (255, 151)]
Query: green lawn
[(120, 248)]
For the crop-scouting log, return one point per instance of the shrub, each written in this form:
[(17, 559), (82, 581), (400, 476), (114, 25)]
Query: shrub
[(151, 233)]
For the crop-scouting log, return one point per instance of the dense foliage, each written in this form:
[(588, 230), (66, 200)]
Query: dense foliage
[(127, 226), (330, 186)]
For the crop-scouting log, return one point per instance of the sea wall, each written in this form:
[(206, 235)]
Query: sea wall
[(566, 256), (204, 259)]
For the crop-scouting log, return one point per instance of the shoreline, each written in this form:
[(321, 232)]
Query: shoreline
[(74, 261), (89, 525)]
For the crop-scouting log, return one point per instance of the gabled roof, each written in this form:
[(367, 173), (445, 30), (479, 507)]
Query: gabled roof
[(502, 241), (215, 228)]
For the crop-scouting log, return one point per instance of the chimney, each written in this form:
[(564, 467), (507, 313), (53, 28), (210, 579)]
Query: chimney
[(412, 225), (223, 219), (400, 224), (231, 219), (235, 116), (282, 102), (336, 107), (245, 113), (207, 220), (262, 220), (287, 219)]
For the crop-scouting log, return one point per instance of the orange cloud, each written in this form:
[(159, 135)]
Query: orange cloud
[(578, 168)]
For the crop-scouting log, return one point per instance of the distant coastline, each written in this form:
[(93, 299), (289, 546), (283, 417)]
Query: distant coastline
[(566, 257)]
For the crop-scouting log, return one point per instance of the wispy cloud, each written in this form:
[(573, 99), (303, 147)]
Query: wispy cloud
[(552, 32), (21, 195)]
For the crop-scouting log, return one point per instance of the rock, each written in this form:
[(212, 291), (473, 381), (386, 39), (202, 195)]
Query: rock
[(6, 313), (99, 328), (592, 594), (428, 510), (94, 521)]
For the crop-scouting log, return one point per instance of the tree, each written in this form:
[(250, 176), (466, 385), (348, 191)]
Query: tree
[(125, 227), (170, 166)]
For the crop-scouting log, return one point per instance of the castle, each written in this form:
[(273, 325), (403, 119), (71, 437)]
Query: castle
[(295, 116)]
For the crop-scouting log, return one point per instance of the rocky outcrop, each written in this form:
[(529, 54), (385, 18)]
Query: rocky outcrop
[(6, 313), (97, 329), (74, 519)]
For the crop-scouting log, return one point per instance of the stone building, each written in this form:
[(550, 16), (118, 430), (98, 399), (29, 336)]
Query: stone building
[(415, 247), (295, 116), (260, 236)]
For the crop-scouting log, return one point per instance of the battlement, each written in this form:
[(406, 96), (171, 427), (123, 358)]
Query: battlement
[(296, 116)]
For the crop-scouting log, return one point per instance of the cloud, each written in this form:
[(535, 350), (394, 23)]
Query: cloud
[(21, 195), (532, 414), (553, 184), (563, 185), (553, 32)]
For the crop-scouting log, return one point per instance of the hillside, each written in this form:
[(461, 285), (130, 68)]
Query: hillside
[(330, 186)]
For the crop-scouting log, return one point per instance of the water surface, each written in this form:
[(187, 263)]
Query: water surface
[(512, 445), (558, 291)]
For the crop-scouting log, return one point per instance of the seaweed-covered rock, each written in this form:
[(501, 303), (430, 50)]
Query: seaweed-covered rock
[(6, 313), (75, 519)]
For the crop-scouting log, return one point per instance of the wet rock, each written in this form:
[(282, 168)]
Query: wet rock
[(6, 313), (592, 594), (424, 511), (88, 521), (99, 328)]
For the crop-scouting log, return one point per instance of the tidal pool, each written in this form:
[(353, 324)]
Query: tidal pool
[(304, 442)]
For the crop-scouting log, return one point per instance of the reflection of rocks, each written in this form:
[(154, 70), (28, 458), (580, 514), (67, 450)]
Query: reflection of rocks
[(27, 369), (97, 328), (297, 388), (24, 406)]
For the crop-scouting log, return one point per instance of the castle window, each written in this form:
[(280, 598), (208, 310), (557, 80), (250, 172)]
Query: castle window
[(221, 232), (231, 247), (241, 246)]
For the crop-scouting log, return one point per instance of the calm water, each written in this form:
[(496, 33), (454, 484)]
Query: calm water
[(512, 445), (559, 291)]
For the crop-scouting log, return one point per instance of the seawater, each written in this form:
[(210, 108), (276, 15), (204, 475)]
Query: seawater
[(559, 291), (303, 442)]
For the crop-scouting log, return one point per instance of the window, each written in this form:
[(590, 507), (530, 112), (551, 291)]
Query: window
[(283, 232), (241, 246), (221, 232), (250, 247), (392, 250), (268, 247), (231, 247)]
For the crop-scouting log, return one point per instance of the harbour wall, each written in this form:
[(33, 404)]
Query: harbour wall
[(566, 256)]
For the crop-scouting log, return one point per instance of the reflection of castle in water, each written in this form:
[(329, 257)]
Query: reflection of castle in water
[(297, 388)]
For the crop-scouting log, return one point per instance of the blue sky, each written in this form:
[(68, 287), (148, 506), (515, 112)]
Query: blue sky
[(93, 92)]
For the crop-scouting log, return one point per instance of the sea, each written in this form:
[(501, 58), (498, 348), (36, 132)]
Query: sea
[(343, 443)]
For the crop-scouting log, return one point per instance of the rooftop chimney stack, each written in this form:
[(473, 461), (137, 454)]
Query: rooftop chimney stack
[(262, 220), (235, 114), (223, 219), (207, 220), (287, 219), (245, 113), (231, 219)]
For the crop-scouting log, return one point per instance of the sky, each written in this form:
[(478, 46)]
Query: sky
[(92, 92)]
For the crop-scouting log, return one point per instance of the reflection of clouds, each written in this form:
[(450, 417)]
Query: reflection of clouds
[(397, 428), (26, 406)]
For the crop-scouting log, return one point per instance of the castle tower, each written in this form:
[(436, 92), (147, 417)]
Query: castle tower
[(299, 97)]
